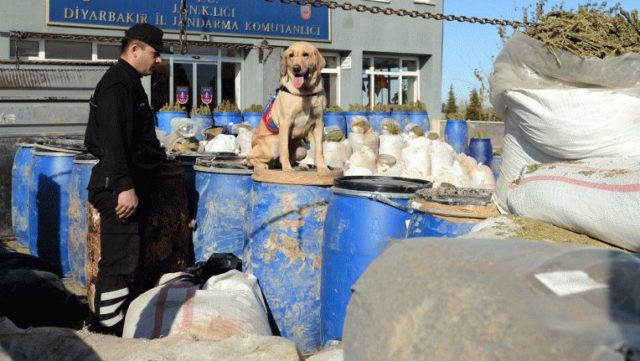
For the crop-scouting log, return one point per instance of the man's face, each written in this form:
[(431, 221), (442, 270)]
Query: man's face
[(146, 58)]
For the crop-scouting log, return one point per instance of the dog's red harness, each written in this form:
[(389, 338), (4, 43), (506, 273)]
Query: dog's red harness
[(267, 117)]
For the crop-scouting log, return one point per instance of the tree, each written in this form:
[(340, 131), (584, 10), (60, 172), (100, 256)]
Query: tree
[(452, 106), (474, 109)]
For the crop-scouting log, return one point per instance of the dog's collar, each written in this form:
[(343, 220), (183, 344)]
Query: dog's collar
[(286, 90)]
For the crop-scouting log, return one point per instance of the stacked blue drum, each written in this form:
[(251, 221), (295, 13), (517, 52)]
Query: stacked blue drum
[(284, 253), (481, 150), (78, 198), (366, 213), (20, 185), (456, 134), (222, 189), (48, 214)]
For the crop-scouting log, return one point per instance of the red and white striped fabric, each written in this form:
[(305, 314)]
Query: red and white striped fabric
[(229, 304), (599, 197)]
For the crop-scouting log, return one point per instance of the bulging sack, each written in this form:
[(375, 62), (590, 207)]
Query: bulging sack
[(597, 197), (560, 107)]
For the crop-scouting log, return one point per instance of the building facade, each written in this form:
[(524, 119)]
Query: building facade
[(53, 53)]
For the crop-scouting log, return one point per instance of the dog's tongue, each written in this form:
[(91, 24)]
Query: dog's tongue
[(298, 81)]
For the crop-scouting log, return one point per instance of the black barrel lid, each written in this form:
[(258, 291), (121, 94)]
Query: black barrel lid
[(381, 184), (456, 196)]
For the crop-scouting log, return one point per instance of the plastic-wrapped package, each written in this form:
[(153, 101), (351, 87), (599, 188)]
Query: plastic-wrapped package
[(222, 143), (495, 299)]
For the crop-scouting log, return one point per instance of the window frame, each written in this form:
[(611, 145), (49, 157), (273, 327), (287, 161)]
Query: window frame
[(337, 71), (401, 74)]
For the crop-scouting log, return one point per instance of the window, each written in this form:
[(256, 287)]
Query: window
[(60, 49), (331, 79), (389, 80), (28, 48), (107, 51)]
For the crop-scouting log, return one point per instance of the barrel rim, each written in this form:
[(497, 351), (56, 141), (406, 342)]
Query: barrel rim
[(220, 170), (85, 161), (368, 194), (57, 149), (49, 153), (345, 182)]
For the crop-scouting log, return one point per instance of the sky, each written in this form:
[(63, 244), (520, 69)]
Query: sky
[(474, 46)]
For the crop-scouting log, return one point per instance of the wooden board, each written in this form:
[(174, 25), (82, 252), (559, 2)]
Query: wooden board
[(311, 177)]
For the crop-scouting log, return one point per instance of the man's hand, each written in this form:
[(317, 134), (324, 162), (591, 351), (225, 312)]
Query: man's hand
[(127, 203)]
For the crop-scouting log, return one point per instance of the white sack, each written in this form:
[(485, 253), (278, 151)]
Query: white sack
[(596, 197), (244, 140), (391, 144), (336, 153), (228, 305)]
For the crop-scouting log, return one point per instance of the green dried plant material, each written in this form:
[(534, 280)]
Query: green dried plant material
[(433, 136), (383, 108), (418, 106), (172, 107), (333, 108), (253, 108), (201, 110), (591, 31), (390, 126), (358, 108), (226, 106), (334, 135), (479, 134)]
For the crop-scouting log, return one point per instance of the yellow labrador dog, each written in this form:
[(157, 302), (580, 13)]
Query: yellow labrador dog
[(295, 112)]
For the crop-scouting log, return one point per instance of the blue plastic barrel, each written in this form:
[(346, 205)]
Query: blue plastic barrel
[(349, 116), (366, 213), (481, 150), (252, 118), (401, 117), (335, 119), (449, 212), (284, 253), (48, 215), (202, 122), (456, 134), (223, 191), (228, 120), (78, 198), (419, 118), (163, 120), (375, 119), (20, 185)]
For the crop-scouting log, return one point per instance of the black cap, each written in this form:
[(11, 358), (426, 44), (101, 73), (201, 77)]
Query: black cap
[(148, 34)]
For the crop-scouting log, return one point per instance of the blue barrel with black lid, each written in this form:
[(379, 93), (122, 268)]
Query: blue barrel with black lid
[(366, 214)]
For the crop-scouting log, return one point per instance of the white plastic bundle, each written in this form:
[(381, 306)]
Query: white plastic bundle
[(388, 165), (441, 155), (244, 140), (221, 143), (362, 162), (336, 154), (415, 159), (391, 144)]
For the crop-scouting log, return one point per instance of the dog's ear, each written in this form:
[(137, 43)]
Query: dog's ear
[(320, 62), (284, 65)]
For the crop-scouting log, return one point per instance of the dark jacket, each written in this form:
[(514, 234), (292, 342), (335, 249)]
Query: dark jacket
[(121, 131)]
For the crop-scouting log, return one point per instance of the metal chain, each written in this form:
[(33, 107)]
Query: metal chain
[(410, 13), (183, 28)]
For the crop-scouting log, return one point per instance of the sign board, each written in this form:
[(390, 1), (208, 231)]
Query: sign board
[(254, 18)]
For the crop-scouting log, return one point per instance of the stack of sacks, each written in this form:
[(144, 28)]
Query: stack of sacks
[(391, 142), (362, 135)]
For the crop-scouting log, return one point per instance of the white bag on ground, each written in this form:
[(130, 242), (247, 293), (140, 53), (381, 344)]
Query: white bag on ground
[(244, 140), (561, 107), (597, 197), (336, 153), (229, 304), (391, 144)]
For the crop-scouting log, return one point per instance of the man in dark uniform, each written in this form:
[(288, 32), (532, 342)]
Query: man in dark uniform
[(121, 134)]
